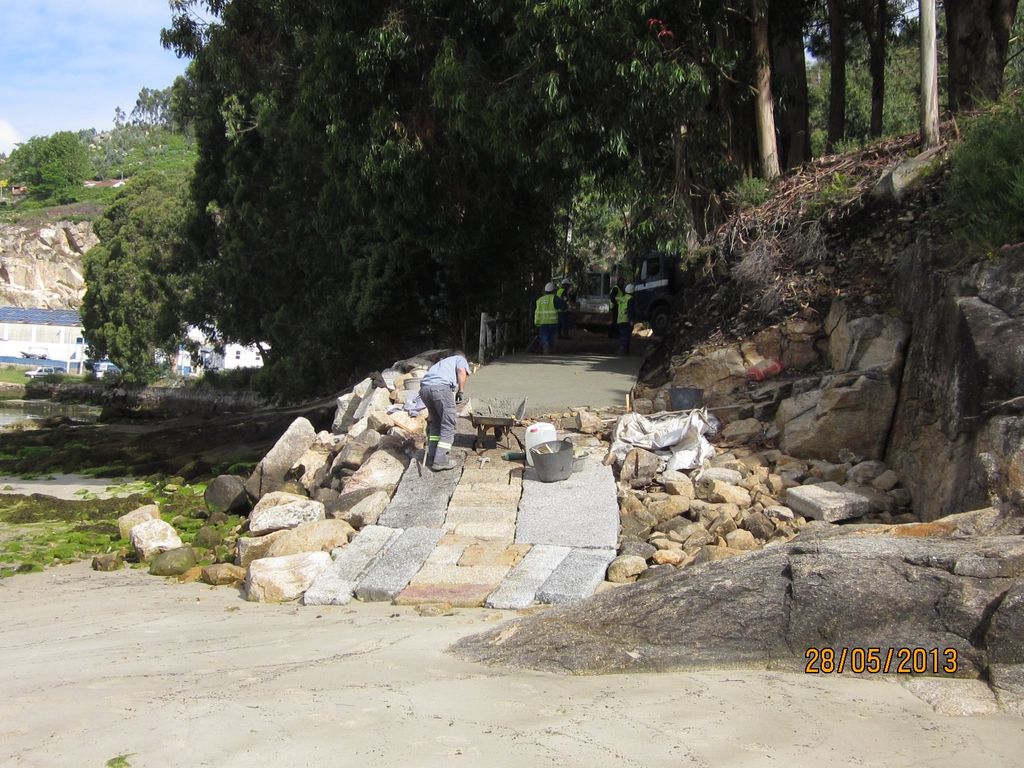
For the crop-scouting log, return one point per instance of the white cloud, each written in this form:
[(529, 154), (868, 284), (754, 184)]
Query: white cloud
[(8, 137)]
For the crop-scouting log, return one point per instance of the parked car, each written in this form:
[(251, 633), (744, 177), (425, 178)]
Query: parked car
[(42, 371), (103, 368)]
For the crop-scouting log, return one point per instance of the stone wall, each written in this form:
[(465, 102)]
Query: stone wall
[(153, 402)]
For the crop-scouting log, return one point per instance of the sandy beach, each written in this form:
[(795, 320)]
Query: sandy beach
[(97, 665)]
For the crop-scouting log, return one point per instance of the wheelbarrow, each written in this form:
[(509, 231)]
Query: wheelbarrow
[(501, 426)]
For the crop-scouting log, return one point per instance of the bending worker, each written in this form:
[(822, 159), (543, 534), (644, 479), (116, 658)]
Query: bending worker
[(624, 318), (545, 317), (445, 378)]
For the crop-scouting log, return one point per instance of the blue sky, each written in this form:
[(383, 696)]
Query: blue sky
[(66, 64)]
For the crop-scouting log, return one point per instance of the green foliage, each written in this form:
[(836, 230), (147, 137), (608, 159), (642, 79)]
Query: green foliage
[(371, 176), (54, 167), (987, 184), (132, 305), (749, 192)]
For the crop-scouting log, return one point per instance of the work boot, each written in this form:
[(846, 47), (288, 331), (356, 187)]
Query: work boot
[(442, 461)]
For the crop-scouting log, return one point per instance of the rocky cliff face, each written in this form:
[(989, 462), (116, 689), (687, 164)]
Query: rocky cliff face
[(41, 264)]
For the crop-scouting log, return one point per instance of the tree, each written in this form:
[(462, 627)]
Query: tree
[(371, 176), (837, 63), (51, 165), (153, 108), (764, 110), (133, 301), (929, 77), (977, 37)]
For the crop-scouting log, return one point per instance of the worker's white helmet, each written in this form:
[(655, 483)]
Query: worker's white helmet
[(567, 281), (629, 288), (549, 287)]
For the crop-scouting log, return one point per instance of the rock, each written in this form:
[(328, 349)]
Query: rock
[(367, 511), (741, 539), (249, 548), (710, 554), (901, 496), (280, 579), (588, 423), (226, 493), (669, 508), (208, 537), (825, 470), (677, 484), (717, 372), (347, 405), (845, 591), (673, 557), (376, 402), (626, 568), (310, 468), (409, 425), (639, 467), (356, 451), (151, 537), (864, 472), (222, 575), (721, 474), (270, 473), (316, 536), (827, 501), (718, 492), (759, 525), (722, 526), (383, 469), (434, 609), (637, 548), (886, 481), (173, 562), (278, 510), (108, 561), (865, 343), (742, 431), (126, 522), (637, 524), (895, 184)]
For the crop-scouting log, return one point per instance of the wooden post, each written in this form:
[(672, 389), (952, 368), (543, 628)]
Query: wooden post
[(483, 338)]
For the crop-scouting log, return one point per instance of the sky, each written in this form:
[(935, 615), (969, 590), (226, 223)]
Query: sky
[(65, 65)]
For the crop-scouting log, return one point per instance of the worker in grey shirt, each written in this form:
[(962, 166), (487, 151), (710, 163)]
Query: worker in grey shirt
[(445, 378)]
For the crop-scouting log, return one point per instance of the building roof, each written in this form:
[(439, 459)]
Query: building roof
[(64, 317)]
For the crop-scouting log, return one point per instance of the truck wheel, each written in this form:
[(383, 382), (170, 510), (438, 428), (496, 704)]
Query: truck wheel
[(660, 320)]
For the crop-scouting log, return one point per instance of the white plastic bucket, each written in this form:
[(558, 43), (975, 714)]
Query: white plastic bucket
[(536, 434)]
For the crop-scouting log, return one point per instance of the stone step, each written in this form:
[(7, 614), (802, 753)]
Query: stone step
[(519, 589), (581, 511), (577, 576), (421, 499), (388, 577), (336, 585)]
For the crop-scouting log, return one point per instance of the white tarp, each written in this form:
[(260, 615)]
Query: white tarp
[(676, 436)]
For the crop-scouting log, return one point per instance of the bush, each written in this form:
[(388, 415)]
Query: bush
[(749, 192), (987, 184)]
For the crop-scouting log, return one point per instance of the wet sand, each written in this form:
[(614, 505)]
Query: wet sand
[(96, 665)]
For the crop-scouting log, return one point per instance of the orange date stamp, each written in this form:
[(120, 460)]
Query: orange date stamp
[(871, 660)]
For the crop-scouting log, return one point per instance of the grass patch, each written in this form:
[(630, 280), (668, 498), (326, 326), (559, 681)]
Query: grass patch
[(749, 192), (13, 375), (121, 761)]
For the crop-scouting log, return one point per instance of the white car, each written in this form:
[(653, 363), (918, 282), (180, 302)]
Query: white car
[(41, 371)]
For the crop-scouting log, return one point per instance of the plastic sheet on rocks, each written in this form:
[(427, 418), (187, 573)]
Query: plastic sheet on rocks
[(677, 437)]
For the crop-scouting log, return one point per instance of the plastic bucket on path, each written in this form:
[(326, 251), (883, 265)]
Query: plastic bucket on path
[(553, 460), (538, 433), (685, 398)]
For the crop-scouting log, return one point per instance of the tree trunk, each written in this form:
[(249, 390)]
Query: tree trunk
[(764, 111), (837, 89), (789, 86), (929, 77), (977, 35), (877, 28)]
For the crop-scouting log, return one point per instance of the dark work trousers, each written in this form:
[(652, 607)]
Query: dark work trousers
[(441, 418)]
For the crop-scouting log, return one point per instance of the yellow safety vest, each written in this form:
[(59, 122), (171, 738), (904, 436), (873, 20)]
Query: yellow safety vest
[(623, 300), (545, 314), (560, 293)]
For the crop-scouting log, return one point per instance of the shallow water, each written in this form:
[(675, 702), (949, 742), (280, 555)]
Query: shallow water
[(13, 411)]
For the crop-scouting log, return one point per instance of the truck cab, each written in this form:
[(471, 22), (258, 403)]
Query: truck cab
[(654, 290)]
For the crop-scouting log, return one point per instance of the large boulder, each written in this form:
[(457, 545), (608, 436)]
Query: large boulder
[(151, 537), (384, 468), (877, 342), (844, 589), (226, 493), (317, 536), (272, 470), (249, 548), (126, 522), (281, 579), (958, 436), (173, 562), (278, 510)]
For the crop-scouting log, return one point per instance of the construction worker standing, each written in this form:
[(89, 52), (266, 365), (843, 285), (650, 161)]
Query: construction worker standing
[(545, 317), (564, 293), (438, 391), (625, 314)]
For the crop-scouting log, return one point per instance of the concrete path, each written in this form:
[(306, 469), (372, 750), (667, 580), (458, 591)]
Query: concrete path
[(585, 371), (482, 535)]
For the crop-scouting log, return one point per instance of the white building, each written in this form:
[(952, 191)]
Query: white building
[(42, 337), (212, 359)]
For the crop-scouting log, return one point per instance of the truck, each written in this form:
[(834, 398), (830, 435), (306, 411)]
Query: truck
[(656, 278)]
